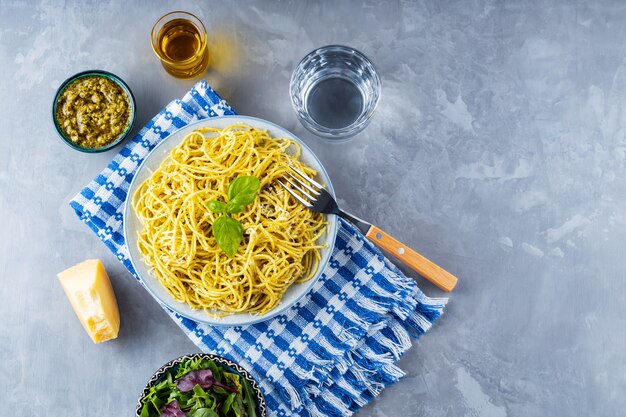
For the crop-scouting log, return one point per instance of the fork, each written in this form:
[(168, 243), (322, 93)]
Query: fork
[(315, 197)]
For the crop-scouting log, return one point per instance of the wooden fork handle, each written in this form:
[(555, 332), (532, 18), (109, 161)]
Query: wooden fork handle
[(426, 268)]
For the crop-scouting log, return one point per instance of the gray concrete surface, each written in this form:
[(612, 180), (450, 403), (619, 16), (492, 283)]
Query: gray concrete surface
[(498, 150)]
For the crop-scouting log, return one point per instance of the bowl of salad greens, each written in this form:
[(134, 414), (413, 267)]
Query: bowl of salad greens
[(201, 385)]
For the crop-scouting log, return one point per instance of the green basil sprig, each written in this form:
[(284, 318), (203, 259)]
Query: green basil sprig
[(227, 231)]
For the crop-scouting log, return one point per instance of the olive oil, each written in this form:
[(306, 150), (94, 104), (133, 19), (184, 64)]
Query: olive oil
[(182, 47)]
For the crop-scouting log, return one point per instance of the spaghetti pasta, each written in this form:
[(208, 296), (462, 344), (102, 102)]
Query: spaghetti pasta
[(280, 242)]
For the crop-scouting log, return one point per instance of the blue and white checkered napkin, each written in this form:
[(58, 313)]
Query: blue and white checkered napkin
[(331, 353)]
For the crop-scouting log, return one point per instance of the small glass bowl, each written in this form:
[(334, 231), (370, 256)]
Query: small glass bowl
[(335, 62), (94, 73)]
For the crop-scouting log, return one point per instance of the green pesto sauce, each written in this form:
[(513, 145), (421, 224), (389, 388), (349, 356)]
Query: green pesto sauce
[(93, 111)]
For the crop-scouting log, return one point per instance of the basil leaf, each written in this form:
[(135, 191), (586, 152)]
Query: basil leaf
[(228, 233), (216, 206), (233, 208), (242, 190), (243, 199), (204, 412)]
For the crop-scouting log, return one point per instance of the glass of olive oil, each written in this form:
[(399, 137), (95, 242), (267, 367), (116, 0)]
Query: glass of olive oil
[(180, 41)]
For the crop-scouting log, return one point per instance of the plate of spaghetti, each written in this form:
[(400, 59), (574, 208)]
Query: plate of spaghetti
[(212, 234)]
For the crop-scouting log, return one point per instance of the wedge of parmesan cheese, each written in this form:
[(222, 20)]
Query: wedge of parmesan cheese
[(89, 290)]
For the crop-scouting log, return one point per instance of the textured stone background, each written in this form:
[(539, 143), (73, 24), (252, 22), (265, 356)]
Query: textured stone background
[(497, 150)]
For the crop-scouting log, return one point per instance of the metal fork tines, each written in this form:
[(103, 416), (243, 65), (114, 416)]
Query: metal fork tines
[(315, 197)]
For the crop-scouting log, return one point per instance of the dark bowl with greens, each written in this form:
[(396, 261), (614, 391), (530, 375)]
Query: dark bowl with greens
[(201, 385)]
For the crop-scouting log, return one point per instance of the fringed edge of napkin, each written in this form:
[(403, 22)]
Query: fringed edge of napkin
[(356, 359), (367, 364)]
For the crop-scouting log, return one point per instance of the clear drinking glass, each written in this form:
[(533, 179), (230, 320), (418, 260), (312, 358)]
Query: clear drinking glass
[(334, 91)]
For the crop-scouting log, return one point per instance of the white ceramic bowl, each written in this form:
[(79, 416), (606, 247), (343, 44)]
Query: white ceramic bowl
[(132, 224)]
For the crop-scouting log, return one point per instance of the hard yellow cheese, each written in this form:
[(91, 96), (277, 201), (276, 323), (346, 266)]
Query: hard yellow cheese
[(88, 288)]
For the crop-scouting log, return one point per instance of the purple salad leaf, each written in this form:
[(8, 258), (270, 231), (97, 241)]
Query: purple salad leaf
[(172, 410), (202, 377)]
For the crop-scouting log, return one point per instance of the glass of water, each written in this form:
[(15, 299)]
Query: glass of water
[(335, 90)]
